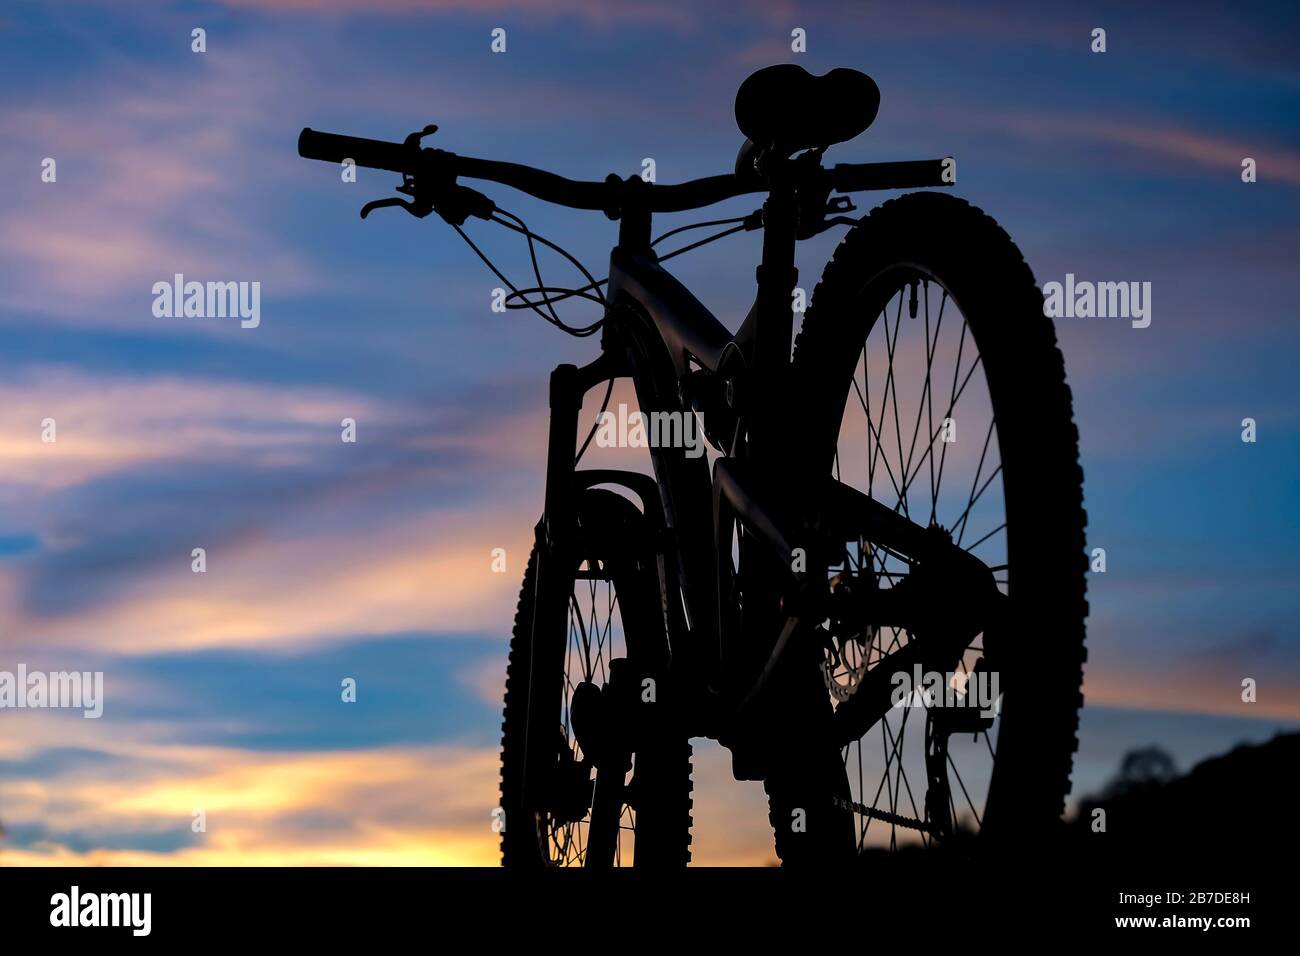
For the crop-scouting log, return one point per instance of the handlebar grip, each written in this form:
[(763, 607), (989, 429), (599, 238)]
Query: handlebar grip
[(913, 174), (371, 153)]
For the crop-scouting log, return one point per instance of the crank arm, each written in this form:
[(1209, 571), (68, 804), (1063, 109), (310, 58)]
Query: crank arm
[(872, 699)]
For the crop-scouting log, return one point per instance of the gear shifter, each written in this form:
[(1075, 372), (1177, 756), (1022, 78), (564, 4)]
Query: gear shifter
[(455, 203)]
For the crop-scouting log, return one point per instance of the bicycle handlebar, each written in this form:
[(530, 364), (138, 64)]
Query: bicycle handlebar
[(912, 174), (370, 153), (412, 160), (607, 195), (577, 194)]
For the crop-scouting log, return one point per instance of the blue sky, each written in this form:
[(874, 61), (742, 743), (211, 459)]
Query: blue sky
[(372, 561)]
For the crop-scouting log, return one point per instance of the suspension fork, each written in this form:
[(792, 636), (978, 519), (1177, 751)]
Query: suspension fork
[(569, 384), (555, 539)]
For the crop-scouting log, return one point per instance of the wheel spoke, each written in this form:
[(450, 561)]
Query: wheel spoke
[(951, 357)]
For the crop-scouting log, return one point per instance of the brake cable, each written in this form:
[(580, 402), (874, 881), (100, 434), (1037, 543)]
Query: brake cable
[(609, 390), (522, 227), (576, 331), (583, 291), (522, 298), (701, 225)]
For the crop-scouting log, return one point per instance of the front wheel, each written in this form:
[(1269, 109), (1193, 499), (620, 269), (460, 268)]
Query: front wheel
[(927, 376), (594, 769)]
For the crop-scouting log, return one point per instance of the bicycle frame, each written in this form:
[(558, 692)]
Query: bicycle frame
[(658, 334), (741, 553), (682, 359), (679, 355)]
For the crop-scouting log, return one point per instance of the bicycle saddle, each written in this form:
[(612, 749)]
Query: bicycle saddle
[(785, 108)]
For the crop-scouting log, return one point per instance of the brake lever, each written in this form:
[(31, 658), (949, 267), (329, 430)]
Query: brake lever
[(410, 207), (415, 138), (455, 203)]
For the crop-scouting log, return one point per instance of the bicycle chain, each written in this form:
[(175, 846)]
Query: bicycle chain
[(884, 816)]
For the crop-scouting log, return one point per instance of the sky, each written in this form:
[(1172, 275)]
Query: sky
[(373, 560)]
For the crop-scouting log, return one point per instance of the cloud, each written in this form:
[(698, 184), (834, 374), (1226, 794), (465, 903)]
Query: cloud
[(106, 425), (390, 807), (275, 595), (486, 679), (1149, 658), (127, 798), (1191, 689), (155, 173), (595, 12), (307, 538), (1144, 137)]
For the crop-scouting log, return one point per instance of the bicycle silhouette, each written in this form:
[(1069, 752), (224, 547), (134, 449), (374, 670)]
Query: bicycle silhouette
[(788, 601)]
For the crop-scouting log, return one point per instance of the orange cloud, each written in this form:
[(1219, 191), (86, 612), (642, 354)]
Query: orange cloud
[(355, 570), (1180, 689), (414, 575), (106, 425), (392, 807), (396, 806)]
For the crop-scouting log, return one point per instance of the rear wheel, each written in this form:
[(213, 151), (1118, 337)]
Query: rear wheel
[(930, 378), (594, 771)]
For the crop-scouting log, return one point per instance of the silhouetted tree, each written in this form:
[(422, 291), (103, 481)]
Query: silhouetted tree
[(1140, 769)]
